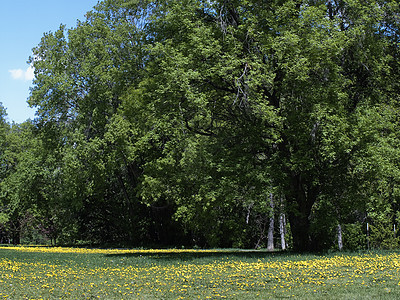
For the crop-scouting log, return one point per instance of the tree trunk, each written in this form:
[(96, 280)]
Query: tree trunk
[(282, 230), (270, 242), (16, 232), (300, 227), (340, 241), (300, 201)]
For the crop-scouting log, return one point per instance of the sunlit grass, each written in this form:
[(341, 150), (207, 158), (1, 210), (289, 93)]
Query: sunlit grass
[(71, 273)]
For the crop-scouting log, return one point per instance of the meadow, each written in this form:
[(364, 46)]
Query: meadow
[(78, 273)]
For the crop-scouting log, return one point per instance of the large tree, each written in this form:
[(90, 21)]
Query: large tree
[(206, 110), (282, 82)]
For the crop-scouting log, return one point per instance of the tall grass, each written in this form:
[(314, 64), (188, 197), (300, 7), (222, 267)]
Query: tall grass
[(69, 273)]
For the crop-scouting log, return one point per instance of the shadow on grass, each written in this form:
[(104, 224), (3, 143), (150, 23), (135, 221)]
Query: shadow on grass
[(193, 254)]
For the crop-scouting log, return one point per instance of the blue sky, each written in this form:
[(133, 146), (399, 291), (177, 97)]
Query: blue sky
[(22, 24)]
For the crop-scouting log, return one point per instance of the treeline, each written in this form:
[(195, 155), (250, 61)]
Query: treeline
[(212, 124)]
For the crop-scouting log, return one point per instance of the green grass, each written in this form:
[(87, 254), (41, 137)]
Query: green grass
[(176, 274)]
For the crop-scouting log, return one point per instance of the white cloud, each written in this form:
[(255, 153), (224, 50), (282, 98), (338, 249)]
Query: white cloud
[(19, 74)]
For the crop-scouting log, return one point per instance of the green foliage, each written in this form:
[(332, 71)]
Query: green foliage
[(383, 235), (354, 236), (173, 122)]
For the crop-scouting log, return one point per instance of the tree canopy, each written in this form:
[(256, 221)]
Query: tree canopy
[(194, 122)]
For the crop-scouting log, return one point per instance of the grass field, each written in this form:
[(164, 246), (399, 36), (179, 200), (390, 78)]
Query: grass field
[(70, 273)]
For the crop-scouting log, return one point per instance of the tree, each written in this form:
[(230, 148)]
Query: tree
[(294, 74), (192, 116), (20, 185), (81, 76), (3, 169)]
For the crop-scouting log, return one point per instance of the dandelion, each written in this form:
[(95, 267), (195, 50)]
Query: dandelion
[(224, 278)]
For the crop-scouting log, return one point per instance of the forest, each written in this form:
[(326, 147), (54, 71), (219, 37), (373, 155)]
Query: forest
[(211, 123)]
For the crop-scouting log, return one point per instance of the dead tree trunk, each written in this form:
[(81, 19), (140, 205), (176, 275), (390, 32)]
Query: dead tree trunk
[(339, 236), (282, 230), (270, 241)]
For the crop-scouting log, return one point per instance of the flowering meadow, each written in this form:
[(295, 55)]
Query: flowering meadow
[(77, 273)]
